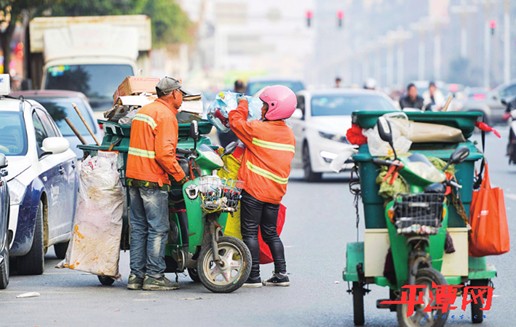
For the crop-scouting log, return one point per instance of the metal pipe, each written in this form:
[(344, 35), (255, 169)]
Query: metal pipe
[(507, 43)]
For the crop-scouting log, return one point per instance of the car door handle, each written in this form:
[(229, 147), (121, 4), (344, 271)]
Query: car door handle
[(61, 170)]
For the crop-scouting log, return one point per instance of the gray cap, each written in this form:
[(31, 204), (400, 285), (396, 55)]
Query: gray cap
[(169, 84)]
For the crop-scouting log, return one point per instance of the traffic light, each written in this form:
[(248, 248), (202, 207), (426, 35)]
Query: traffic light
[(340, 18), (309, 15), (492, 26)]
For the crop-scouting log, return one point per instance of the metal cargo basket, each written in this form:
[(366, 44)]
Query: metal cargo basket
[(418, 213), (219, 194)]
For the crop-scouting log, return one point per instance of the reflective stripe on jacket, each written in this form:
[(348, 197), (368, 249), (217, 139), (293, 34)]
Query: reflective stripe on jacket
[(152, 145), (270, 148)]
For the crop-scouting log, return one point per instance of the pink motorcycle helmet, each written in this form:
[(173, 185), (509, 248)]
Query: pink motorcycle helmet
[(281, 100)]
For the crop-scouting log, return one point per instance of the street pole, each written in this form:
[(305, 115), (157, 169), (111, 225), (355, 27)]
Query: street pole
[(437, 54), (463, 32), (487, 47), (507, 43), (421, 58), (390, 65), (399, 60)]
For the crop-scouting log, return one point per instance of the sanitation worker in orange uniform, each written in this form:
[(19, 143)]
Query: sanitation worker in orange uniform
[(265, 168), (151, 160)]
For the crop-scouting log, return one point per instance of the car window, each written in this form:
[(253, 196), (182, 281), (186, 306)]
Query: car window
[(40, 131), (345, 104), (253, 87), (47, 122), (13, 136), (508, 91), (61, 108)]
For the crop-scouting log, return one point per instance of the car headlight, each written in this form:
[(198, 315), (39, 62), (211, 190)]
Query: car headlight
[(334, 137), (16, 191)]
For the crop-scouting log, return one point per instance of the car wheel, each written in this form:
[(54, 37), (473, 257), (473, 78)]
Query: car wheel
[(4, 266), (60, 249), (33, 262), (308, 173)]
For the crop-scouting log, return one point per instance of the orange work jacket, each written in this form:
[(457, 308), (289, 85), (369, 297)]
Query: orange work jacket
[(152, 145), (270, 148)]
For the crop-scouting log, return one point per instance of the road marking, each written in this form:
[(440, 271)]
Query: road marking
[(510, 196)]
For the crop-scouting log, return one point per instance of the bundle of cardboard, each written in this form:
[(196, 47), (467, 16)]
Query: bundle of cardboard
[(135, 92)]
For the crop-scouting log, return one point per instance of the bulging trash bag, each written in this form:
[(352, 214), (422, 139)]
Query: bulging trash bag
[(401, 136), (97, 230), (224, 102)]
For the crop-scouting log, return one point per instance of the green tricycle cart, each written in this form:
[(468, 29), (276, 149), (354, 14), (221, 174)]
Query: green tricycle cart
[(408, 239), (198, 210)]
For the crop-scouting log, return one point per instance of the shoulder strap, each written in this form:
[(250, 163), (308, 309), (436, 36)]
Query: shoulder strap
[(478, 178)]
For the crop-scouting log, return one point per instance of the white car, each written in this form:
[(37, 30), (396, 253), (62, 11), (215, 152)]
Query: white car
[(321, 121), (42, 179)]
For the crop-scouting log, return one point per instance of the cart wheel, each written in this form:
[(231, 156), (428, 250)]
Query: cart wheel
[(194, 274), (235, 269), (106, 281), (435, 318), (477, 315), (358, 303)]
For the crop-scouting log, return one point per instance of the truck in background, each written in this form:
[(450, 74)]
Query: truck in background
[(89, 54)]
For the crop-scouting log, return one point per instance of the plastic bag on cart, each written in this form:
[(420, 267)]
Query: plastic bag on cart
[(96, 234), (227, 101), (401, 136)]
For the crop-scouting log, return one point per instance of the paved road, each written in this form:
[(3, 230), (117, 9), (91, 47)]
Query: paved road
[(319, 223)]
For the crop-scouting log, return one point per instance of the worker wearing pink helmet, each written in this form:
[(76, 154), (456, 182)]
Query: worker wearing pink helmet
[(265, 168)]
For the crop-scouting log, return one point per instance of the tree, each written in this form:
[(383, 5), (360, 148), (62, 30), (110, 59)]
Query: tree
[(12, 11)]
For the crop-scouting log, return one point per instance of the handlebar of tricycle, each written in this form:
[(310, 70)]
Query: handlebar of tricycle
[(383, 162), (185, 151)]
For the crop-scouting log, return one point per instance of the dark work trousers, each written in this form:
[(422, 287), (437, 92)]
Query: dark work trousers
[(256, 214)]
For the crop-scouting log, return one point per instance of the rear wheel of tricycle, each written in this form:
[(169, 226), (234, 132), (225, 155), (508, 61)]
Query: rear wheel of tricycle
[(420, 318), (194, 274), (234, 270), (358, 303), (477, 314), (106, 281)]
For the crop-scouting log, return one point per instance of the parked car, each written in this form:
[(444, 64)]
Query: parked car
[(59, 105), (42, 180), (321, 121), (491, 104), (4, 224), (256, 84)]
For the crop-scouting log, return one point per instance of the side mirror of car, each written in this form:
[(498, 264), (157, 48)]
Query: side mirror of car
[(55, 145), (298, 114), (3, 161), (504, 102)]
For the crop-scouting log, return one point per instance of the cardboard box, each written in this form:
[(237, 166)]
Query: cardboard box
[(133, 85)]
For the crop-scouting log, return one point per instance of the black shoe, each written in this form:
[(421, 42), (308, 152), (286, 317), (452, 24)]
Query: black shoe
[(253, 282), (278, 279)]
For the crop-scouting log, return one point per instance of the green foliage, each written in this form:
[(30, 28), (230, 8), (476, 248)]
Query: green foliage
[(169, 23)]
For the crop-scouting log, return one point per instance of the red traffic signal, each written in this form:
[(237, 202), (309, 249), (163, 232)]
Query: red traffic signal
[(340, 18), (492, 26), (309, 15)]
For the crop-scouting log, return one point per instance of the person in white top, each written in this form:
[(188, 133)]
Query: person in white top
[(433, 98)]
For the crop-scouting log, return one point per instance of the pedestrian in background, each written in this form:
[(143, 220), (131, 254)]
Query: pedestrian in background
[(151, 160), (265, 168), (337, 82), (433, 98), (411, 99), (226, 138)]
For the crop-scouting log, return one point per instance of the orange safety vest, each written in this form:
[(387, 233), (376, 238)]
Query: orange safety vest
[(270, 148), (152, 145)]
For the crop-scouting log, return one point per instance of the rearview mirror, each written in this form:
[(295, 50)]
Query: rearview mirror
[(385, 132), (55, 145), (194, 130), (298, 114), (458, 156), (3, 161)]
